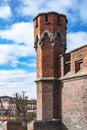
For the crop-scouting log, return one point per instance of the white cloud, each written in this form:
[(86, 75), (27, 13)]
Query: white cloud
[(3, 54), (9, 54), (32, 64), (74, 9), (5, 12), (32, 8), (13, 81), (5, 1), (82, 10), (60, 6), (19, 32), (76, 39)]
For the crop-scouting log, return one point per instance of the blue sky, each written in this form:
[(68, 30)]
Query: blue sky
[(17, 55)]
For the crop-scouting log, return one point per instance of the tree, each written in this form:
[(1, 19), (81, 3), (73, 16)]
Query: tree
[(21, 107), (31, 116)]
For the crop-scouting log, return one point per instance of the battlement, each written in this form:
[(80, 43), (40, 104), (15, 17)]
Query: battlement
[(74, 63), (50, 18)]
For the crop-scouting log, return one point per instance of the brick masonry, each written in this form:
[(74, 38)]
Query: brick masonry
[(50, 42), (61, 77), (74, 104), (12, 125)]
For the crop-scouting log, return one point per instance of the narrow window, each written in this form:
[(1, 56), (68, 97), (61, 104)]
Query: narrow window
[(58, 19), (67, 67), (46, 18), (78, 65)]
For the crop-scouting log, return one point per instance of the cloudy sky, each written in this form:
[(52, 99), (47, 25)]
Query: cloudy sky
[(17, 55)]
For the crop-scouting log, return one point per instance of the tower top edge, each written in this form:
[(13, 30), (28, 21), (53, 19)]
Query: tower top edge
[(51, 12)]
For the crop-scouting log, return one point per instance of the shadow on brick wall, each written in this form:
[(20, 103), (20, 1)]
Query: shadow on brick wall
[(63, 127)]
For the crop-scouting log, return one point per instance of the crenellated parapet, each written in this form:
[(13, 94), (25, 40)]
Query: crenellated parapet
[(52, 24), (49, 18)]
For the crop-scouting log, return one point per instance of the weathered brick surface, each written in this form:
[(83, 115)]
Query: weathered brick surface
[(77, 55), (73, 57), (48, 95), (61, 78), (12, 125), (74, 104), (47, 62), (47, 55)]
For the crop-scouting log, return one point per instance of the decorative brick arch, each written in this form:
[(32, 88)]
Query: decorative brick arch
[(60, 36), (50, 35), (52, 38)]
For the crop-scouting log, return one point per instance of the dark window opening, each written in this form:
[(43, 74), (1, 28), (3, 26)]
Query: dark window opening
[(67, 67), (78, 65), (46, 18), (58, 19)]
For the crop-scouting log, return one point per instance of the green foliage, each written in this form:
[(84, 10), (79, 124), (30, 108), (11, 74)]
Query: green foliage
[(21, 105), (21, 109), (31, 116)]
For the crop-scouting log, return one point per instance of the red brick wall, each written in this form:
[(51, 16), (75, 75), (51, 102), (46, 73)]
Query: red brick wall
[(76, 56), (74, 104), (47, 59), (12, 125), (59, 92), (48, 55), (39, 101), (39, 62), (47, 105)]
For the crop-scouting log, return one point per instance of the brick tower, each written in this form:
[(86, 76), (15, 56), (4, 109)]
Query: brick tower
[(50, 42)]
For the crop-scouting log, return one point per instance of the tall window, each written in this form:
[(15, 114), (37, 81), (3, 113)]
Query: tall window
[(46, 18), (67, 67)]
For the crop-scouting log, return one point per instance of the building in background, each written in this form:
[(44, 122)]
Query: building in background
[(8, 107)]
